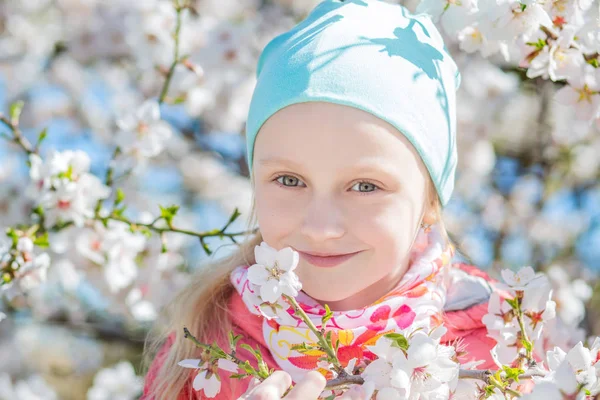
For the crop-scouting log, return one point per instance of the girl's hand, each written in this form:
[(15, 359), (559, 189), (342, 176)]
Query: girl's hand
[(278, 383)]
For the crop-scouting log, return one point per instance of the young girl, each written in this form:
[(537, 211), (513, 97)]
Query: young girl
[(352, 153)]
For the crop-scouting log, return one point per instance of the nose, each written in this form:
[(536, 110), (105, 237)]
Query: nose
[(323, 220)]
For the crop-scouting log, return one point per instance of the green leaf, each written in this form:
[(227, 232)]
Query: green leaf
[(594, 63), (539, 45), (255, 352), (120, 196), (263, 369), (15, 111), (168, 213), (523, 7), (39, 210), (328, 315), (233, 340), (11, 233), (489, 390), (299, 347), (118, 212), (42, 136), (328, 337), (512, 373), (238, 376), (528, 345), (42, 241), (145, 231), (207, 249), (68, 174), (234, 216), (514, 303), (245, 366), (179, 99), (398, 340)]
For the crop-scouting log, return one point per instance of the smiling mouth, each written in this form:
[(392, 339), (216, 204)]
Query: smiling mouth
[(327, 261)]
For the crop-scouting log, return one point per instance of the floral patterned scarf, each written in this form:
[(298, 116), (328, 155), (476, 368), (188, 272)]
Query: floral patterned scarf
[(416, 302)]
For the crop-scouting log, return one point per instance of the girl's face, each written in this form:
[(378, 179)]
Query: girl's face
[(332, 179)]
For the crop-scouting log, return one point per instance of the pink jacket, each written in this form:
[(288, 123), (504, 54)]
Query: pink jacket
[(464, 326)]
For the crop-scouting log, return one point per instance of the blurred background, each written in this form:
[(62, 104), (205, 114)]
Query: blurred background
[(527, 189)]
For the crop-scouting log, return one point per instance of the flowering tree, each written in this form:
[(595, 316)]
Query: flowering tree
[(128, 98)]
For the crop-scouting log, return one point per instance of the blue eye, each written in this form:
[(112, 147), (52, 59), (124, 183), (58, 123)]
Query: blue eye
[(288, 180), (365, 187), (368, 186)]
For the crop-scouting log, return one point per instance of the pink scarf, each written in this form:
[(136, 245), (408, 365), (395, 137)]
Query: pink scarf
[(416, 302)]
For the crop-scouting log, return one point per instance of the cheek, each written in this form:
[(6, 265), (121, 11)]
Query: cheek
[(277, 213), (386, 226)]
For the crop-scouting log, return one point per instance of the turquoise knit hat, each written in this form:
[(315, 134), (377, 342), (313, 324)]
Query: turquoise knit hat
[(374, 56)]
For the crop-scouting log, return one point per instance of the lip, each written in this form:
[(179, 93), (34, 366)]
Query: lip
[(326, 261)]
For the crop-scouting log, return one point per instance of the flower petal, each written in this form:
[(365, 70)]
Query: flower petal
[(149, 111), (508, 276), (389, 393), (212, 386), (258, 274), (270, 291), (579, 357), (422, 350), (399, 378), (287, 259), (265, 254), (199, 381), (227, 365), (190, 363)]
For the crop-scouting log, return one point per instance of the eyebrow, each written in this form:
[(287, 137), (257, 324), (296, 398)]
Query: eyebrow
[(376, 168), (277, 160), (372, 167)]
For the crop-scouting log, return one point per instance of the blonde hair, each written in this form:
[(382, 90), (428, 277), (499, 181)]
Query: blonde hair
[(202, 307)]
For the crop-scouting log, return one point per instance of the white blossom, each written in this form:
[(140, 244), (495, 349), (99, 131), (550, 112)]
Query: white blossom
[(520, 279), (116, 383), (30, 267), (63, 186), (274, 273), (507, 19), (143, 133), (32, 388), (207, 378), (115, 248), (582, 92), (426, 368), (558, 60), (142, 310)]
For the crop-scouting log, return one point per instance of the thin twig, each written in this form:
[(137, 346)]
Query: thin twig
[(482, 375), (322, 341), (341, 382), (18, 137), (201, 235), (165, 89)]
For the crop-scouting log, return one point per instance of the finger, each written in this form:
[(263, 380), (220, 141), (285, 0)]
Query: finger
[(309, 388), (273, 387), (254, 382), (355, 392)]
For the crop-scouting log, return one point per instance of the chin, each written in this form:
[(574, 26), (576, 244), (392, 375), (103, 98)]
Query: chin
[(323, 295)]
